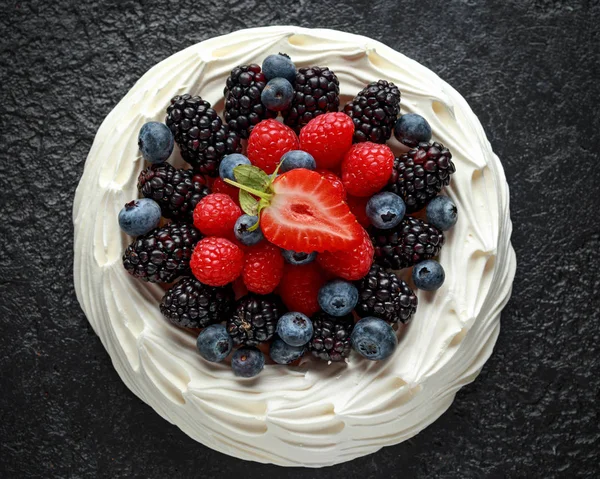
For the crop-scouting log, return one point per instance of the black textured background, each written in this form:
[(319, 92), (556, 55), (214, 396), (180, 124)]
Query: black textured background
[(530, 70)]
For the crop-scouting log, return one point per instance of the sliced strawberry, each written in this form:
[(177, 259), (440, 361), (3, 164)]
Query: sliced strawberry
[(306, 215)]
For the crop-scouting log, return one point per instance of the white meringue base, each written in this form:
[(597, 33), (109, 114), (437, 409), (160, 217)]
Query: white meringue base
[(316, 414)]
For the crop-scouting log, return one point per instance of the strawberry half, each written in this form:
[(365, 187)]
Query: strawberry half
[(306, 214)]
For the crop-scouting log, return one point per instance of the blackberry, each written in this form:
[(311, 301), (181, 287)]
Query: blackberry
[(384, 295), (163, 254), (243, 107), (254, 319), (331, 337), (200, 133), (374, 111), (177, 191), (405, 245), (317, 91), (419, 175), (191, 304)]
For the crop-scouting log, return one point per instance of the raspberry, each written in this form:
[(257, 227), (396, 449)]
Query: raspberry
[(336, 181), (216, 261), (366, 168), (268, 142), (358, 207), (350, 265), (215, 215), (300, 286), (219, 186), (327, 138), (263, 268)]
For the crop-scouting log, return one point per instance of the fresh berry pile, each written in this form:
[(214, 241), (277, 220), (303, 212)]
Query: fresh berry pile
[(291, 242)]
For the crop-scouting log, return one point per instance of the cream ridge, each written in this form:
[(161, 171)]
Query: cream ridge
[(316, 414)]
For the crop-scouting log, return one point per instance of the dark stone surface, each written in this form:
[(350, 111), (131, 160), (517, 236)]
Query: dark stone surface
[(529, 69)]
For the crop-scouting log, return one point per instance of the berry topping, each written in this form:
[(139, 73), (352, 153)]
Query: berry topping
[(442, 213), (384, 295), (297, 159), (191, 304), (358, 207), (331, 337), (299, 287), (350, 264), (374, 111), (428, 275), (283, 353), (385, 210), (366, 168), (419, 175), (292, 257), (163, 254), (263, 268), (338, 297), (268, 142), (306, 215), (373, 339), (229, 162), (408, 243), (247, 362), (278, 94), (412, 129), (244, 234), (317, 92), (177, 191), (336, 182), (219, 186), (216, 261), (214, 344), (243, 108), (295, 329), (156, 142), (254, 319), (279, 66), (216, 215), (138, 217), (200, 133), (327, 138)]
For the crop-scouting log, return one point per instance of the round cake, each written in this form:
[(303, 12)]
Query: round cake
[(318, 413)]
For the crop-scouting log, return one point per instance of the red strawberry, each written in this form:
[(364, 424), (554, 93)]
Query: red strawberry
[(327, 138), (350, 265), (299, 287), (336, 181), (219, 186), (358, 207), (268, 142), (306, 215), (263, 268)]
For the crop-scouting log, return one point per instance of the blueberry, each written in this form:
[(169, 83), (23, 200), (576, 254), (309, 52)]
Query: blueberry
[(283, 353), (373, 338), (139, 216), (385, 210), (229, 163), (412, 129), (277, 95), (297, 159), (338, 297), (279, 66), (295, 329), (298, 258), (155, 141), (247, 362), (442, 213), (214, 343), (428, 275), (241, 232)]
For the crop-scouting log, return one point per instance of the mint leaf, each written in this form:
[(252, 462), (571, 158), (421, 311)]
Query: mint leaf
[(248, 203), (252, 177)]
